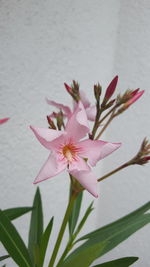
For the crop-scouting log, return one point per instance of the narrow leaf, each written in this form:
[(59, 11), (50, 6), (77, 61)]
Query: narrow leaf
[(118, 235), (75, 213), (123, 262), (126, 231), (14, 213), (118, 231), (12, 242), (36, 228), (87, 213), (4, 257), (84, 257), (109, 228), (44, 241)]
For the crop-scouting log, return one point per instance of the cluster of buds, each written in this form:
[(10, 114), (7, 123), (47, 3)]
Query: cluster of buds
[(59, 116), (73, 90), (143, 156), (116, 106), (127, 99)]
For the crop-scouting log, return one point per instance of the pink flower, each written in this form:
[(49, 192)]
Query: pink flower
[(66, 110), (71, 153), (3, 120), (90, 109)]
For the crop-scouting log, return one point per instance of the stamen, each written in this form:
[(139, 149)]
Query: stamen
[(69, 151)]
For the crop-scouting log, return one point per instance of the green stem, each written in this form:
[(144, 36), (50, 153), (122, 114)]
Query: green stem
[(107, 114), (96, 125), (62, 229), (67, 249), (115, 170), (106, 125)]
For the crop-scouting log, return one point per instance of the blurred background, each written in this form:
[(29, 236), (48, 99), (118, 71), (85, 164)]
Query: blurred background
[(44, 44)]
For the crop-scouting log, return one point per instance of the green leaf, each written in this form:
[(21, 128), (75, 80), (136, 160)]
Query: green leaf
[(118, 231), (84, 257), (109, 228), (75, 213), (4, 257), (44, 241), (14, 213), (36, 228), (87, 213), (13, 243), (123, 262)]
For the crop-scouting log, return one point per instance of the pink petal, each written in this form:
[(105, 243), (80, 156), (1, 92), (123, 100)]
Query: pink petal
[(88, 180), (84, 99), (78, 164), (95, 150), (3, 120), (51, 168), (77, 126), (49, 138), (66, 109), (91, 113)]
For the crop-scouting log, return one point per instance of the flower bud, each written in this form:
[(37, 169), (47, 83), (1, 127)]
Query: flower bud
[(133, 93), (110, 91), (51, 123), (68, 88), (75, 87), (135, 97), (97, 91), (60, 122), (111, 88), (73, 90), (142, 156), (3, 120)]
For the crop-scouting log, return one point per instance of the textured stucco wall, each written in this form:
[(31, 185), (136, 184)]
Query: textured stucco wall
[(43, 44), (130, 188)]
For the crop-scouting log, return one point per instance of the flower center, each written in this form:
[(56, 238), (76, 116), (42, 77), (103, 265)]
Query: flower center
[(69, 152)]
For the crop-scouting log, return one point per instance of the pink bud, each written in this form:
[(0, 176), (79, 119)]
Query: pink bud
[(49, 118), (135, 92), (68, 88), (3, 120), (51, 123), (146, 158), (111, 88), (134, 99)]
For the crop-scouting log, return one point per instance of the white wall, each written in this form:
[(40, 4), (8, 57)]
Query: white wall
[(130, 188), (43, 44)]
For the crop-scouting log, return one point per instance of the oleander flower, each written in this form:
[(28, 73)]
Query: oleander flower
[(89, 108), (70, 152)]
